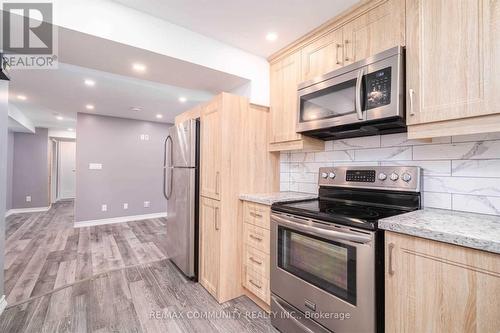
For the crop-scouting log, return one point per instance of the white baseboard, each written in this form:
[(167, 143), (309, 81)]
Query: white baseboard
[(3, 304), (26, 210), (122, 219)]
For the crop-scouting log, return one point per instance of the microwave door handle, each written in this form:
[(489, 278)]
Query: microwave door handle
[(359, 81), (330, 234)]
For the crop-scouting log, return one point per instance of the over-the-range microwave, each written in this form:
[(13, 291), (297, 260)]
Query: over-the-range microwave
[(364, 98)]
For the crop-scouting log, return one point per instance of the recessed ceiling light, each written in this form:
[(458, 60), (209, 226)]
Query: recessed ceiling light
[(182, 99), (89, 107), (139, 67), (159, 116), (135, 109), (71, 129), (271, 36), (89, 82), (59, 118), (22, 97)]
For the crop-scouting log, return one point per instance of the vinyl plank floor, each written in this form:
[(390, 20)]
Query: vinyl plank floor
[(113, 278)]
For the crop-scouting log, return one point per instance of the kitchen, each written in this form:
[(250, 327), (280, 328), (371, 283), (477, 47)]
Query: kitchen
[(364, 197)]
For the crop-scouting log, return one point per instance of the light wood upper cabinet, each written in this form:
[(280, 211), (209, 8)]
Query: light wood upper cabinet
[(379, 29), (323, 55), (285, 77), (437, 287), (210, 245), (211, 145), (453, 65)]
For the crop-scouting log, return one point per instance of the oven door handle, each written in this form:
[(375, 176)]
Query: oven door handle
[(359, 81), (330, 234)]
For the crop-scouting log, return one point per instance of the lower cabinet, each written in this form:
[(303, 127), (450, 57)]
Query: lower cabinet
[(209, 275), (432, 286), (256, 255)]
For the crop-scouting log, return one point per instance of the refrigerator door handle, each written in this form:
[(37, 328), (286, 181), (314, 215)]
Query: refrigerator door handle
[(169, 167)]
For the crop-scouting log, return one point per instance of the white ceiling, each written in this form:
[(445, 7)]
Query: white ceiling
[(118, 88), (243, 23), (62, 92)]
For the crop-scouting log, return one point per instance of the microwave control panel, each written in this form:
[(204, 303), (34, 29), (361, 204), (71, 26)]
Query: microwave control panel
[(378, 88)]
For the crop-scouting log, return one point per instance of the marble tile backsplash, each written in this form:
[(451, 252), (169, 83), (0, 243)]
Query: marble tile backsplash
[(460, 173)]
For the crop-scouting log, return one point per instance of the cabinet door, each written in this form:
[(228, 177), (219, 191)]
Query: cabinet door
[(375, 31), (285, 77), (211, 142), (210, 245), (323, 55), (436, 287), (452, 57)]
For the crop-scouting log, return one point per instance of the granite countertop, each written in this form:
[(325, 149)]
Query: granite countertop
[(270, 198), (477, 231)]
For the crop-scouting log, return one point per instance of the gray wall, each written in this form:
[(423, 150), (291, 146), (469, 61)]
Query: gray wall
[(4, 90), (10, 168), (131, 168), (30, 169)]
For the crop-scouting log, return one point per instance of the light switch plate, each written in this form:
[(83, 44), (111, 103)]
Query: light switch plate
[(95, 166)]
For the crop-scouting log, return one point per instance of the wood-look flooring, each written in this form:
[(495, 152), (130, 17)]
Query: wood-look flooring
[(43, 251), (111, 278)]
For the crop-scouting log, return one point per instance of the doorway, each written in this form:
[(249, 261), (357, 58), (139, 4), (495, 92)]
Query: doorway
[(63, 171)]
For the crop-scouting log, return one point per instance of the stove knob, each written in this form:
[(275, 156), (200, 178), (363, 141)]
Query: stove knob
[(331, 175), (406, 177), (394, 176), (382, 176), (324, 175)]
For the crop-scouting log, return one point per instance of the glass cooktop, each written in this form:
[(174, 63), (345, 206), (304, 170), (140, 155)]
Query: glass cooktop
[(358, 215)]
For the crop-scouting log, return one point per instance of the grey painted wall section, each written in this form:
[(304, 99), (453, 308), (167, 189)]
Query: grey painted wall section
[(132, 169), (10, 168), (30, 169), (4, 92)]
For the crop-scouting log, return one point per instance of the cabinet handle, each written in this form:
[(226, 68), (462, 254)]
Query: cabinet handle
[(256, 261), (255, 284), (391, 249), (256, 238), (345, 48), (217, 183), (255, 215), (411, 92), (338, 46), (217, 227)]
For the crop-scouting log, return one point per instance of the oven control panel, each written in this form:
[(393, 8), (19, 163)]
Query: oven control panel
[(398, 178)]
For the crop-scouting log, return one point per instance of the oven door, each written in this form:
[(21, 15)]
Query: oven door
[(333, 102), (326, 271)]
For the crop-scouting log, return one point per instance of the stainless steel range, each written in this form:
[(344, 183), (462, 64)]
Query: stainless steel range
[(327, 260)]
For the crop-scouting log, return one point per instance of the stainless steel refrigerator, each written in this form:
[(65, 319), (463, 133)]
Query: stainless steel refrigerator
[(180, 187)]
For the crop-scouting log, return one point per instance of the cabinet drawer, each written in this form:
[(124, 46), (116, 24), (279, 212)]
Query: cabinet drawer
[(257, 214), (257, 237), (259, 286), (257, 262)]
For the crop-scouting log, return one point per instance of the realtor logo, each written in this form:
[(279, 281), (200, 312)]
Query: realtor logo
[(28, 35)]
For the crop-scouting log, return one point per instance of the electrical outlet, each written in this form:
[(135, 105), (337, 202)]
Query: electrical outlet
[(146, 204), (143, 137), (28, 198), (104, 208), (146, 137), (125, 206)]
